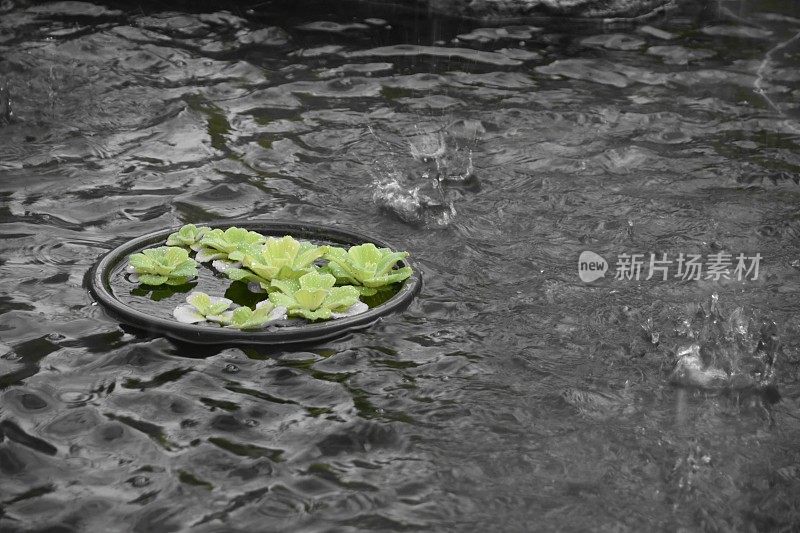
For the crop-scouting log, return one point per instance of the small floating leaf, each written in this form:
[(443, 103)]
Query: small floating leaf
[(202, 307), (246, 318), (163, 265), (218, 244), (188, 236)]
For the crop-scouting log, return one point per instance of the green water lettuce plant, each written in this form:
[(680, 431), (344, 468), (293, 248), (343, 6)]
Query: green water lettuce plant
[(314, 297), (366, 266), (246, 318), (169, 265), (277, 258), (188, 236), (219, 244), (201, 307)]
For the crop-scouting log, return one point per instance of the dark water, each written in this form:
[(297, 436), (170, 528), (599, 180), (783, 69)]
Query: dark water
[(511, 395)]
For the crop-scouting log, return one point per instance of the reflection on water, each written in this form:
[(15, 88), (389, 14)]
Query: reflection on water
[(511, 395)]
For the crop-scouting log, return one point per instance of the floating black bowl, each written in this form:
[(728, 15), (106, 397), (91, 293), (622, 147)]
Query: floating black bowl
[(105, 287)]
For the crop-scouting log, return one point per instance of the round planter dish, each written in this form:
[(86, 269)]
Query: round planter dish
[(110, 266)]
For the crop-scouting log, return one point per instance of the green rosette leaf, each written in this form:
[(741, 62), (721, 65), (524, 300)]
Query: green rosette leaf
[(278, 258), (188, 236), (231, 240), (313, 296), (163, 265), (366, 266)]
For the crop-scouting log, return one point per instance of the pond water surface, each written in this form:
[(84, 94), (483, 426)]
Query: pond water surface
[(511, 395)]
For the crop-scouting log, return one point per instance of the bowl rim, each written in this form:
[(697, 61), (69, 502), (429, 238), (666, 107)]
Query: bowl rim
[(101, 290)]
